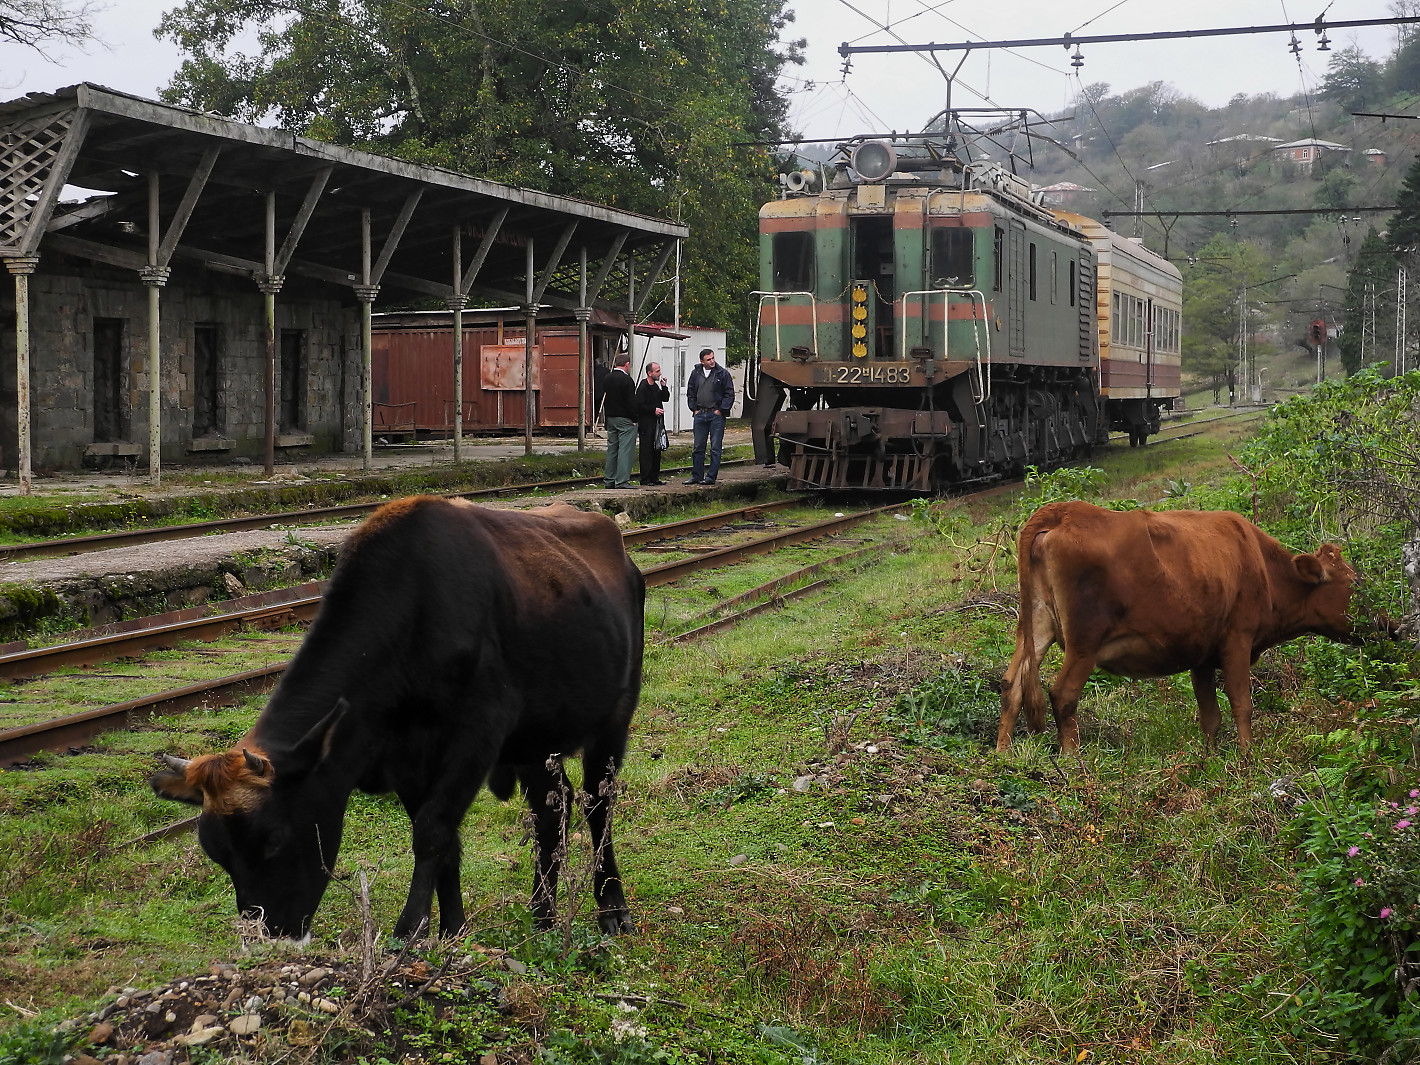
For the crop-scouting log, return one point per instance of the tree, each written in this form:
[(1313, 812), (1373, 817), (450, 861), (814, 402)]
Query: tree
[(1370, 304), (1212, 286), (38, 23), (1353, 80), (1336, 189), (1404, 229), (642, 105)]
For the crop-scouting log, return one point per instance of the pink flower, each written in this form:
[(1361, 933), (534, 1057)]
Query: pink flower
[(1385, 912), (1411, 811), (1415, 793), (1402, 823), (1360, 882), (1353, 852)]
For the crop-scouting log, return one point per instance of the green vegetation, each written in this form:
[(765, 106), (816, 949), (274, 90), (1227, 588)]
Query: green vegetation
[(644, 106), (829, 862)]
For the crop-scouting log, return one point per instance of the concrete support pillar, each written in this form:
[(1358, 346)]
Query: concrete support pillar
[(456, 302), (584, 318), (155, 277), (530, 325), (270, 286), (365, 292), (22, 266), (366, 295), (583, 314), (456, 305)]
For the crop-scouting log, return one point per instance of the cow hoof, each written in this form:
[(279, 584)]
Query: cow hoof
[(617, 923)]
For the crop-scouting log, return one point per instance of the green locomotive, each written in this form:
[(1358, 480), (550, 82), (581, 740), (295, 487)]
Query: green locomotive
[(923, 322)]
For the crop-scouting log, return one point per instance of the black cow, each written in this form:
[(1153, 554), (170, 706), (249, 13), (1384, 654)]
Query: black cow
[(455, 645)]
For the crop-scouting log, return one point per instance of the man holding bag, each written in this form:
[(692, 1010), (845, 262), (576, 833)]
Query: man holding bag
[(651, 396)]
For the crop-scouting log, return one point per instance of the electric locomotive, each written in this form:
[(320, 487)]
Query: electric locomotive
[(924, 321)]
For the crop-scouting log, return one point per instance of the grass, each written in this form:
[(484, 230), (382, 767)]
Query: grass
[(919, 899)]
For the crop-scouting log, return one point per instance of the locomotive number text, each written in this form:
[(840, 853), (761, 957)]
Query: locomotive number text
[(862, 375)]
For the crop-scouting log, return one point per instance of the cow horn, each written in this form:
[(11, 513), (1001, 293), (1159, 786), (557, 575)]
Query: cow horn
[(255, 762), (180, 764)]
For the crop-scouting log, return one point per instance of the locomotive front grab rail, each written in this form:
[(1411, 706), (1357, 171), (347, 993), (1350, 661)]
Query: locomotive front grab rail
[(776, 297), (983, 379)]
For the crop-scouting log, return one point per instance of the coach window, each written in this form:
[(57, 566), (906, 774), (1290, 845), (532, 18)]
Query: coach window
[(793, 262), (1054, 275), (1070, 282), (1030, 269), (952, 254), (998, 255)]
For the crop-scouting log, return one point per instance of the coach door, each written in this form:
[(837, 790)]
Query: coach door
[(1016, 292), (1149, 346)]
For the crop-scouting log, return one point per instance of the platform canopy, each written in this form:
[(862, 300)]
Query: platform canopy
[(343, 217)]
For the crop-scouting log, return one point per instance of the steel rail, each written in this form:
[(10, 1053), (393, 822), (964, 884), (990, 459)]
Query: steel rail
[(268, 610), (667, 572), (76, 545), (73, 729), (769, 593), (20, 742)]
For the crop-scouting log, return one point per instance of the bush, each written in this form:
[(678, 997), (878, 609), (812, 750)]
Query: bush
[(1360, 885)]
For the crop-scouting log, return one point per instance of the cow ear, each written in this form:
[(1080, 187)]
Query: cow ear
[(170, 784), (1310, 568), (316, 743)]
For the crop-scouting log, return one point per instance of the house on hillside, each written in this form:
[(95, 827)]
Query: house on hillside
[(1243, 148), (1375, 157), (1306, 152)]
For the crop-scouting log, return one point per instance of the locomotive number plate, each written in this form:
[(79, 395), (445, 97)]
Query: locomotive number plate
[(876, 374)]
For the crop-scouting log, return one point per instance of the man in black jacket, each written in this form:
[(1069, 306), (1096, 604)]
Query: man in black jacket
[(651, 395), (710, 392), (620, 414)]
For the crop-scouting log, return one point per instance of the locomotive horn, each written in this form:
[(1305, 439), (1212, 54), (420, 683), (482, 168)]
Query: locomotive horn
[(180, 764)]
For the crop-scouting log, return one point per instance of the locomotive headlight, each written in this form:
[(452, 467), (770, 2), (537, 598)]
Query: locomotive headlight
[(859, 312)]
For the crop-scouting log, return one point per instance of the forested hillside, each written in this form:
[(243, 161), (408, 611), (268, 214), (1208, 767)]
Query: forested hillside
[(1151, 147)]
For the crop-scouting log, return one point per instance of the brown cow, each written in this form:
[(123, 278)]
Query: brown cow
[(1145, 594)]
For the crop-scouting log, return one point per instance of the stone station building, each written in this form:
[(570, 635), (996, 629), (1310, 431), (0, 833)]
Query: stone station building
[(237, 267)]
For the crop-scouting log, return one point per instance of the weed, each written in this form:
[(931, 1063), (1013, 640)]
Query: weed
[(956, 707), (36, 1043), (743, 788)]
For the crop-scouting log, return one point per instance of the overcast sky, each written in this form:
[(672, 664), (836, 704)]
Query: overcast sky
[(891, 91)]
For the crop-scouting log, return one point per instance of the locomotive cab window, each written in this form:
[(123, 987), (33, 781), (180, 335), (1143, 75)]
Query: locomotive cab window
[(952, 257), (793, 262)]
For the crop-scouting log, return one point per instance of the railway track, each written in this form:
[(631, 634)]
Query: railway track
[(76, 545), (1115, 438), (61, 733), (267, 610)]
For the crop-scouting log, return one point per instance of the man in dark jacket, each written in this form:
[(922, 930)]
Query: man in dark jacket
[(619, 411), (710, 393), (651, 395)]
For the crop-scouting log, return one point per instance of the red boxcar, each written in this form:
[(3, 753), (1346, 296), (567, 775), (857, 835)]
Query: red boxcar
[(413, 370)]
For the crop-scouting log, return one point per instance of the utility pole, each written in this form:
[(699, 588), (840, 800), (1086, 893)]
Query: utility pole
[(1402, 277)]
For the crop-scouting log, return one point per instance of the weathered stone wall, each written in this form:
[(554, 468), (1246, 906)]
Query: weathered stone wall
[(66, 297)]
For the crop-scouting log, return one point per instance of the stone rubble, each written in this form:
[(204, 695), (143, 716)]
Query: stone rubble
[(236, 1012)]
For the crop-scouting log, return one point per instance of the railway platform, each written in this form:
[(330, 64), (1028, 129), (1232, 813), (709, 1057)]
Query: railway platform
[(108, 584)]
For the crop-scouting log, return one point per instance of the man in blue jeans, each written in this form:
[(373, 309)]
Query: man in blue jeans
[(710, 393)]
